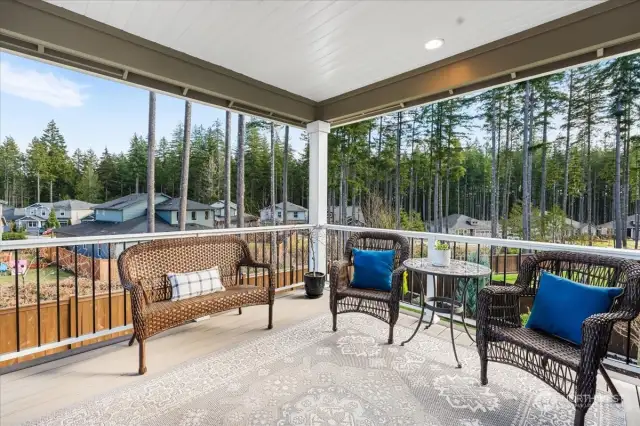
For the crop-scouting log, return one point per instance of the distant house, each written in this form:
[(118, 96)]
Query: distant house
[(128, 215), (125, 208), (295, 214), (460, 224), (608, 229), (197, 213), (71, 212), (218, 209), (335, 216), (68, 212)]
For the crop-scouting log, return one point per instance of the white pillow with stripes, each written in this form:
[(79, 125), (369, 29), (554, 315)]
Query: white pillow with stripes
[(193, 284)]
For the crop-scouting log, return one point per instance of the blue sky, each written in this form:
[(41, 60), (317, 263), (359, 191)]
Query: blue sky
[(91, 112)]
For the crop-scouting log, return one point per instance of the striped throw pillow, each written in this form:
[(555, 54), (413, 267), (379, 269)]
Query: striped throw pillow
[(192, 284)]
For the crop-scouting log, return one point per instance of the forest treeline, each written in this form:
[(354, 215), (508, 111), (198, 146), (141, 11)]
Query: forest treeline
[(565, 144)]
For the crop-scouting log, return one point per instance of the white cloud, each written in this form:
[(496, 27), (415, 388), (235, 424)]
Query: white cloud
[(45, 87)]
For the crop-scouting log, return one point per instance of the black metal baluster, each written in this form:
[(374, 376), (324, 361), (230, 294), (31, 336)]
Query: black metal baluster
[(628, 348), (278, 260), (16, 269), (37, 291), (93, 286), (290, 258), (504, 266), (124, 292), (454, 249), (75, 269), (264, 255), (58, 292), (109, 278)]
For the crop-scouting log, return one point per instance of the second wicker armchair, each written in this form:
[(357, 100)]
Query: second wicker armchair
[(384, 305)]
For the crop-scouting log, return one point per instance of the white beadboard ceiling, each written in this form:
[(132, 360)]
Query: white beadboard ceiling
[(320, 49)]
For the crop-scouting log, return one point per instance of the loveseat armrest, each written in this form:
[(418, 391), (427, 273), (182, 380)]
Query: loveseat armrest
[(263, 265), (139, 299), (397, 279)]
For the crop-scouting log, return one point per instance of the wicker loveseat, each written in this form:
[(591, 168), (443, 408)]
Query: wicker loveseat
[(143, 272), (384, 305), (570, 369)]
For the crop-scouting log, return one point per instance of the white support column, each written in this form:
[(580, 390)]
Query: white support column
[(318, 163)]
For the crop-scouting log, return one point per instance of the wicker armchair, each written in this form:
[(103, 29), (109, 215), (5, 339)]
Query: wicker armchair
[(143, 272), (571, 370), (379, 304)]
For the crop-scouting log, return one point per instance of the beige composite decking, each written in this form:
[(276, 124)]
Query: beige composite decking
[(33, 392)]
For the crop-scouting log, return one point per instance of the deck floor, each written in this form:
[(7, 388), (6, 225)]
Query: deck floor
[(33, 392)]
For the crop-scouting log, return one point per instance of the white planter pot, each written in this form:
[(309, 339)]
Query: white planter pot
[(441, 257)]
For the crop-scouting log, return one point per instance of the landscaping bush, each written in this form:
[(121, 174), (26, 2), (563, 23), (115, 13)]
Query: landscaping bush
[(6, 236)]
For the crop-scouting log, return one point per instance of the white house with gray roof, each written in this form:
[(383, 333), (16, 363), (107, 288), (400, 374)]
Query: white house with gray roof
[(295, 214)]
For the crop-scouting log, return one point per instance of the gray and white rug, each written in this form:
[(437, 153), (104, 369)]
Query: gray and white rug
[(307, 375)]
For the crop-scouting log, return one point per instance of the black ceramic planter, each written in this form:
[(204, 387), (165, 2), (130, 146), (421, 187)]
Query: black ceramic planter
[(314, 284)]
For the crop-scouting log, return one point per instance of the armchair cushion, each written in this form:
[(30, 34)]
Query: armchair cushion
[(373, 269), (561, 306)]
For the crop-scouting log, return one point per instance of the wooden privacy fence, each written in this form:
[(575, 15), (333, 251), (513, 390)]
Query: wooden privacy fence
[(78, 316)]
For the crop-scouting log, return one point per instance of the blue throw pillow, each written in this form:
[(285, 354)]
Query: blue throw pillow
[(372, 269), (561, 306)]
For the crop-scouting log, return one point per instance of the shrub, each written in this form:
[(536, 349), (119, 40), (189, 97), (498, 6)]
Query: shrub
[(6, 236)]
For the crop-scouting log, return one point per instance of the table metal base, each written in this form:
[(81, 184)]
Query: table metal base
[(448, 306)]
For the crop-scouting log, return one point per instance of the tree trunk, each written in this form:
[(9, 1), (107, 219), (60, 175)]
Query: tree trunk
[(227, 170), (567, 152), (588, 171), (543, 170), (38, 185), (184, 175), (151, 165), (51, 191), (494, 177), (526, 200), (413, 137), (240, 173), (507, 172), (617, 211), (285, 161), (627, 174)]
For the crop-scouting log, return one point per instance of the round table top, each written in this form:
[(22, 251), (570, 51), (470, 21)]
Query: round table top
[(457, 268)]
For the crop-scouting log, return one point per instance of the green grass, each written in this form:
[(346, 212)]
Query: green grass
[(510, 278), (47, 275)]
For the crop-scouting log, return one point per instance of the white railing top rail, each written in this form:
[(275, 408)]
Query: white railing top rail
[(500, 242), (142, 237)]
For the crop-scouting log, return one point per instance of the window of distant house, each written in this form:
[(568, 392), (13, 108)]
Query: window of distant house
[(61, 213), (193, 215), (295, 215), (33, 211), (279, 214), (32, 224), (206, 215), (43, 212)]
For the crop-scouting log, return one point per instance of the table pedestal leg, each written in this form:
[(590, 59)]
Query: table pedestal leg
[(453, 340), (421, 316)]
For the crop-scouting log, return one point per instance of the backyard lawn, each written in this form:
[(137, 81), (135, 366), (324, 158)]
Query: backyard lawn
[(47, 275), (510, 278)]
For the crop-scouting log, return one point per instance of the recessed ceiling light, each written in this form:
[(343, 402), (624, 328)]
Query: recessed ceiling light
[(434, 44)]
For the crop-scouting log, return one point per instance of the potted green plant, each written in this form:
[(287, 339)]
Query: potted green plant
[(441, 255), (314, 280)]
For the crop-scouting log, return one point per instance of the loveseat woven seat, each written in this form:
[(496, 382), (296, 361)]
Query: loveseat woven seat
[(143, 272)]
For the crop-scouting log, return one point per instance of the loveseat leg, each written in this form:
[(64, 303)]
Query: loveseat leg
[(240, 310), (133, 338), (390, 334), (335, 322), (270, 326), (142, 367)]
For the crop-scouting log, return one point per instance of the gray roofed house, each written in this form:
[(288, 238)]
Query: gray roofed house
[(295, 213), (132, 226), (608, 228), (174, 204), (218, 209), (129, 200), (461, 224)]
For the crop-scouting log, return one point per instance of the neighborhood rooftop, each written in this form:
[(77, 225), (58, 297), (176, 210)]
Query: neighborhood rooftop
[(126, 201), (173, 204)]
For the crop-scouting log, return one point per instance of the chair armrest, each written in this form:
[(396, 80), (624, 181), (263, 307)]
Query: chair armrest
[(498, 306), (396, 283), (596, 331), (339, 277), (269, 267)]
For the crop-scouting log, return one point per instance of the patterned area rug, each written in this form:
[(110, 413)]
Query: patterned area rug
[(308, 375)]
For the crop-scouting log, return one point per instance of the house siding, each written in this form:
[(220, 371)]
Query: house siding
[(109, 215)]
